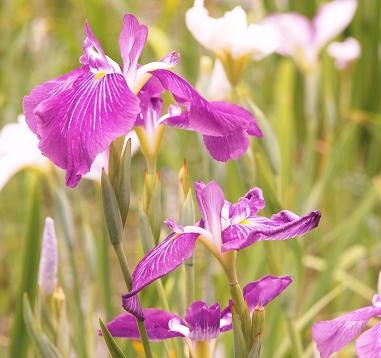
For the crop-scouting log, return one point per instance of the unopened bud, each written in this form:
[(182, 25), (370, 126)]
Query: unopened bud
[(47, 276)]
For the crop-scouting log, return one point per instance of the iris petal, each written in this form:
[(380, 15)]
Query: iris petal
[(331, 336), (368, 345), (156, 322), (80, 122), (282, 226), (161, 260)]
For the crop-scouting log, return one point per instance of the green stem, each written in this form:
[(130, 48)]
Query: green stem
[(127, 279), (81, 341), (189, 281)]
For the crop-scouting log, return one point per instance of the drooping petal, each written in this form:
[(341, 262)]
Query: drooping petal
[(205, 117), (203, 321), (257, 202), (155, 320), (161, 260), (332, 18), (47, 273), (331, 336), (282, 226), (368, 345), (77, 124), (132, 39), (263, 291), (231, 146), (210, 199), (133, 306)]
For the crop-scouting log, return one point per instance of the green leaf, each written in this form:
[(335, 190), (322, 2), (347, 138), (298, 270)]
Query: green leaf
[(240, 350), (113, 348), (45, 348), (30, 262)]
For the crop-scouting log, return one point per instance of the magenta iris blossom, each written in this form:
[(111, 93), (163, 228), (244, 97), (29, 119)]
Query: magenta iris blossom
[(78, 115), (331, 336), (201, 322), (226, 226)]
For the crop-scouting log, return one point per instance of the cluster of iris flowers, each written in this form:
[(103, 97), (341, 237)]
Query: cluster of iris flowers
[(81, 115)]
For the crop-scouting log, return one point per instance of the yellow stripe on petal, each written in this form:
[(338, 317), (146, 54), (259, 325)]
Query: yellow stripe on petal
[(100, 75)]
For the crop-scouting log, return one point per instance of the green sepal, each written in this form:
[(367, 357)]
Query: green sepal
[(240, 350), (120, 174), (111, 211)]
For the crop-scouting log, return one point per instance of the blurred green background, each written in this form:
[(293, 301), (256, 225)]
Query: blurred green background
[(335, 268)]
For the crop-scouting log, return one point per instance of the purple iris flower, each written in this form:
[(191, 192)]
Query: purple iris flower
[(224, 226), (201, 322), (331, 336), (78, 115)]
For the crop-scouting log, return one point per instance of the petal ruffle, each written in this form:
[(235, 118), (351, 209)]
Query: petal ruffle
[(156, 323), (257, 201), (331, 336), (80, 122), (282, 226), (161, 260), (368, 345), (264, 290)]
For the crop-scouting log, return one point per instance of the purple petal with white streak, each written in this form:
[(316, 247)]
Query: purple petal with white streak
[(77, 124), (203, 321), (239, 211), (47, 90), (161, 260), (331, 336), (133, 306), (257, 202), (282, 226), (368, 345), (94, 55), (210, 199), (204, 117), (261, 292), (132, 39), (156, 323)]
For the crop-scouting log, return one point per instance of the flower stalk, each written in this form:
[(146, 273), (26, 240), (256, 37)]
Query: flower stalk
[(115, 229)]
